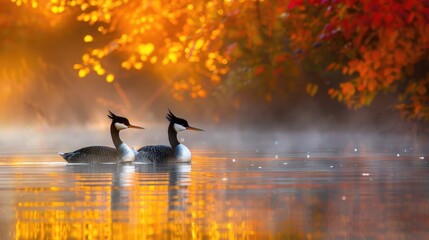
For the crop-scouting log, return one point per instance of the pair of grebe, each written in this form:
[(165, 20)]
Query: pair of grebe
[(177, 152)]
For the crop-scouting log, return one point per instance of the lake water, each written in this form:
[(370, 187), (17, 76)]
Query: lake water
[(221, 195)]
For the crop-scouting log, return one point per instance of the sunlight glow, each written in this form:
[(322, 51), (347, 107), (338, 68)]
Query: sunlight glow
[(156, 33), (88, 38)]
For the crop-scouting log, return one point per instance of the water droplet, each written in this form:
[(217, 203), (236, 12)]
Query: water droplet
[(421, 158), (331, 166), (276, 156), (308, 155), (397, 155), (343, 198), (233, 160), (224, 179), (259, 167), (365, 174), (355, 149), (285, 163), (252, 164), (276, 142)]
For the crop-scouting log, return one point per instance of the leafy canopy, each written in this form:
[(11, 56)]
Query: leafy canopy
[(377, 46)]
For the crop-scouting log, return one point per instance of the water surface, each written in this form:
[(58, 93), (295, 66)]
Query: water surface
[(232, 195)]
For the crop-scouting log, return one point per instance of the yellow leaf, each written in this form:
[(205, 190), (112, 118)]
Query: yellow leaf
[(311, 89), (126, 65), (199, 43), (110, 78), (83, 72), (88, 38), (153, 59), (99, 70), (138, 65), (172, 57), (146, 49)]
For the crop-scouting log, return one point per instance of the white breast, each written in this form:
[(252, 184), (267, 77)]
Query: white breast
[(182, 153), (126, 153)]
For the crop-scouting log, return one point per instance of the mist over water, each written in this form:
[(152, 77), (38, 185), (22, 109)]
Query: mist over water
[(50, 140), (286, 125), (71, 113)]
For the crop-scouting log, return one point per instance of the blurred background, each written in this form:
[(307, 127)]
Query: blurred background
[(233, 67)]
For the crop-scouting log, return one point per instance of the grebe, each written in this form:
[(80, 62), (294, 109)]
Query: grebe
[(102, 154), (177, 152)]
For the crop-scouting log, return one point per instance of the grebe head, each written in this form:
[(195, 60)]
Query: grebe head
[(180, 124), (121, 123)]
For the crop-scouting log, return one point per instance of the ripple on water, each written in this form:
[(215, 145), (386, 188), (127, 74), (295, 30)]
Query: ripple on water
[(240, 196)]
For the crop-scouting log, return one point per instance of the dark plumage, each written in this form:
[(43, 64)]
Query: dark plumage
[(118, 119), (176, 152), (173, 119), (156, 153), (94, 154), (103, 154)]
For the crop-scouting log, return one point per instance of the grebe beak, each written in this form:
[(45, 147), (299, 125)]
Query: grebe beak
[(137, 127), (193, 128)]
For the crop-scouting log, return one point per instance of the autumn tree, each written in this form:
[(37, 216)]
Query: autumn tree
[(379, 46), (203, 47), (196, 42)]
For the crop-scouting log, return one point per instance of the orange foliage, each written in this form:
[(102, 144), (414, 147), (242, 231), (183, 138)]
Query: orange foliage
[(200, 46), (213, 42), (377, 44)]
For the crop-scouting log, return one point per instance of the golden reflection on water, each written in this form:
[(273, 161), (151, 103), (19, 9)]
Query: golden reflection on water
[(125, 204), (215, 199)]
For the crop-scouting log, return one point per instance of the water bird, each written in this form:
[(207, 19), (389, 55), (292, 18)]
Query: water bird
[(103, 154), (177, 152)]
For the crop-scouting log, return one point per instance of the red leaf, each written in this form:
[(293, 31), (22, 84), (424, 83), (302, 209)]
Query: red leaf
[(388, 18), (278, 71), (376, 19), (259, 70), (295, 3), (280, 58), (410, 17)]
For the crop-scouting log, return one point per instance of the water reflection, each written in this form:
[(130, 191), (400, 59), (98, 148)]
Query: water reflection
[(324, 197), (143, 198)]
